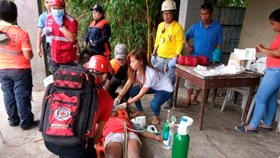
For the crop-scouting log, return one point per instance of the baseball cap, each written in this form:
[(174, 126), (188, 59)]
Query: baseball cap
[(97, 8), (120, 51)]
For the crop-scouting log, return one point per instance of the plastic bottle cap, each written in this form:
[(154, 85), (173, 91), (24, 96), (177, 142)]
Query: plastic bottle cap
[(183, 126)]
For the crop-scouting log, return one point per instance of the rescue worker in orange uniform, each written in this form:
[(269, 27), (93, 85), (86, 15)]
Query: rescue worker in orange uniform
[(99, 33), (63, 30), (120, 67), (15, 69)]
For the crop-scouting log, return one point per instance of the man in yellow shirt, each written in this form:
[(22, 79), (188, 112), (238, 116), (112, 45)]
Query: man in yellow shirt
[(169, 42)]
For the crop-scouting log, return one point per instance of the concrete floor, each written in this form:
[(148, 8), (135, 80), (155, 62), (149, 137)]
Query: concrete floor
[(217, 140)]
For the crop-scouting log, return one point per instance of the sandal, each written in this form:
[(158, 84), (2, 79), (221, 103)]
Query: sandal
[(194, 102), (243, 129), (268, 129), (135, 114), (263, 127)]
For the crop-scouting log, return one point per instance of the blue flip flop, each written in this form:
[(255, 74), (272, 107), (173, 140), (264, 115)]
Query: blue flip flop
[(242, 129)]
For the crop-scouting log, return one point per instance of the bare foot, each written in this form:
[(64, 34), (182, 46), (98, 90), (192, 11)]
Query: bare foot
[(137, 113), (194, 102), (155, 120), (186, 104)]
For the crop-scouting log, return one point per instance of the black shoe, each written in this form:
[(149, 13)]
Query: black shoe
[(14, 124), (35, 123)]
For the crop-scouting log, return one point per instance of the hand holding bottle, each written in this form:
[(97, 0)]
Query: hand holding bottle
[(120, 106)]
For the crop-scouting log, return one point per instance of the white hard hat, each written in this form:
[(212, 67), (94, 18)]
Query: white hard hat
[(168, 5)]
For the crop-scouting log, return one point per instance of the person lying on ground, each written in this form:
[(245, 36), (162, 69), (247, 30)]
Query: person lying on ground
[(115, 136)]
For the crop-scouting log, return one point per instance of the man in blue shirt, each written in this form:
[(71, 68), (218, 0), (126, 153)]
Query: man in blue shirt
[(207, 36), (40, 33)]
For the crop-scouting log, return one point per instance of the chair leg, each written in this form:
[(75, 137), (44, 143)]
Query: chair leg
[(251, 109), (277, 118), (244, 100), (3, 140), (225, 100)]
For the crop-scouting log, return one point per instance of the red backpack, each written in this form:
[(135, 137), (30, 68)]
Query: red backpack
[(68, 106)]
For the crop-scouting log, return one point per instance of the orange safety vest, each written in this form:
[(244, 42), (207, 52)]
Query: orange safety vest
[(11, 55), (100, 25), (115, 65)]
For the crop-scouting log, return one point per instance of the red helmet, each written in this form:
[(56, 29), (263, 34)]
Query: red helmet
[(56, 3), (99, 63)]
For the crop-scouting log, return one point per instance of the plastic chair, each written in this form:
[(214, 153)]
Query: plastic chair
[(252, 105), (243, 90), (259, 66)]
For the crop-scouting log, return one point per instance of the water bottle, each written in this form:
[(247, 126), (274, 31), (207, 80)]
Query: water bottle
[(171, 133), (181, 140), (166, 130)]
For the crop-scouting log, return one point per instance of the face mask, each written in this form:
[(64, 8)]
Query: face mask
[(57, 12)]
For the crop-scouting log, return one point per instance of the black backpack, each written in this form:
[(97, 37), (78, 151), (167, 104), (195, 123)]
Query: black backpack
[(68, 106)]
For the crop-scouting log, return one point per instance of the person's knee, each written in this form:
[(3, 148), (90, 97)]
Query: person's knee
[(113, 150), (134, 91), (134, 148)]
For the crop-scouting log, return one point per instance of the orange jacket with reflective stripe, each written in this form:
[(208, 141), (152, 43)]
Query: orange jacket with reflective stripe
[(100, 25), (11, 55)]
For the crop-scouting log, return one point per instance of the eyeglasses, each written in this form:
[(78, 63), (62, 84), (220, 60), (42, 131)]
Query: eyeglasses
[(167, 13)]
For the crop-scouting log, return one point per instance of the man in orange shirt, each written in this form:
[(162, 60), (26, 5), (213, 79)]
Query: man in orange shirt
[(15, 70)]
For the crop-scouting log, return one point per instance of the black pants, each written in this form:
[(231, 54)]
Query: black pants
[(77, 151), (114, 84)]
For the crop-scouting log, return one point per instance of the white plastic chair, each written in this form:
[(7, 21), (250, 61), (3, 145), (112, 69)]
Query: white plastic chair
[(243, 90), (259, 66)]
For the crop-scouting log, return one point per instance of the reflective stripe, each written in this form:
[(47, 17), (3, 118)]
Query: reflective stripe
[(8, 51), (57, 38)]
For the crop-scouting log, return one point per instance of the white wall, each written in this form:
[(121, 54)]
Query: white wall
[(256, 26), (28, 14)]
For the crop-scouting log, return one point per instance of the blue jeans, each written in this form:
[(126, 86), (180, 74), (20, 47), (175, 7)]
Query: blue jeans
[(159, 98), (266, 96), (16, 85)]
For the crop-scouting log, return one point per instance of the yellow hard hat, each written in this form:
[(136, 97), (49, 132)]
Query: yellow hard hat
[(168, 5)]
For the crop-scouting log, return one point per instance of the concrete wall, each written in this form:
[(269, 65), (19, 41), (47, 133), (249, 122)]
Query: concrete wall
[(28, 14), (189, 12), (256, 26)]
